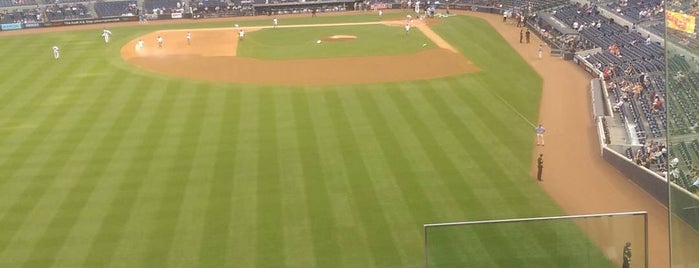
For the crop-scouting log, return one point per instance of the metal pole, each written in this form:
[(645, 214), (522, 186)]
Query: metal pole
[(424, 228), (645, 227)]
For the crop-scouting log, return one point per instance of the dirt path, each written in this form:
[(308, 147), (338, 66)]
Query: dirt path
[(575, 174)]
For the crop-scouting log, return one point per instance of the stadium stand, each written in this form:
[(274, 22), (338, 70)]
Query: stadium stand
[(633, 68), (116, 9), (638, 11), (217, 8), (20, 15), (71, 11), (164, 7), (11, 3)]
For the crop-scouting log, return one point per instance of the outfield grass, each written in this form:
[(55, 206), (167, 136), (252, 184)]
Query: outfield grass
[(104, 165)]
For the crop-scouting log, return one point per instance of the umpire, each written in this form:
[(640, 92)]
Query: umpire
[(627, 256), (540, 166)]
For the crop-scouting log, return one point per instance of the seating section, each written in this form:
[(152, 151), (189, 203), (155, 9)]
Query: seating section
[(638, 11), (11, 3), (116, 9), (515, 5), (163, 6), (20, 16), (635, 74), (72, 11)]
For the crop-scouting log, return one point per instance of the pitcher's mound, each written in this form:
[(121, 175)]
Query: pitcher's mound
[(339, 38)]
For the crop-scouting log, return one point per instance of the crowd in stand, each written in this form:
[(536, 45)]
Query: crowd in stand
[(66, 11), (639, 11), (21, 16), (653, 156), (165, 7), (219, 7), (632, 66)]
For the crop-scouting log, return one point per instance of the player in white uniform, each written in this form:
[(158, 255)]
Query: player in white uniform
[(407, 28), (189, 38), (160, 41), (105, 34), (56, 53), (241, 34), (275, 22), (139, 44)]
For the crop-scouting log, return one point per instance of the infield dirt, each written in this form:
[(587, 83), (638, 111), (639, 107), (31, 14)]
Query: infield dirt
[(212, 56)]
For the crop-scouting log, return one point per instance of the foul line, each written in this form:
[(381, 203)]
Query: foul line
[(513, 109)]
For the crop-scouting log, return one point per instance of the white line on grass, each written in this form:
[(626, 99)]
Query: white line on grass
[(513, 108)]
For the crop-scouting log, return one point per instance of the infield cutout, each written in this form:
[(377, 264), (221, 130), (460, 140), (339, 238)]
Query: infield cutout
[(212, 56)]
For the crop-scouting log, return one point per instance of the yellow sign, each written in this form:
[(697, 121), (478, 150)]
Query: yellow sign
[(680, 22)]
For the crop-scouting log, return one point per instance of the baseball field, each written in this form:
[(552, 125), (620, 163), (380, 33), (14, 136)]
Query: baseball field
[(273, 151)]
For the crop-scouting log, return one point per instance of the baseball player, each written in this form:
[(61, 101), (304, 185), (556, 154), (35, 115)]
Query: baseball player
[(56, 53), (275, 22), (541, 51), (139, 44), (407, 28), (189, 38), (105, 34), (540, 135), (241, 34), (160, 41)]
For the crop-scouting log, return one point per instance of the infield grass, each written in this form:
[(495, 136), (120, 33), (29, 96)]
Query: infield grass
[(300, 43), (106, 165)]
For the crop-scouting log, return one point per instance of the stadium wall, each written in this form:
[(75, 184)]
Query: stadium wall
[(650, 181)]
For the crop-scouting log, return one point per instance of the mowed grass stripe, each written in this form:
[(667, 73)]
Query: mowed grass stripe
[(416, 160), (295, 220), (20, 58), (488, 165), (502, 121), (170, 207), (412, 163), (394, 207), (243, 223), (218, 212), (82, 170), (352, 237), (270, 234), (402, 174), (104, 170), (158, 173), (509, 171), (23, 72), (460, 184), (27, 111), (17, 190), (25, 78), (187, 237), (56, 150), (366, 201), (143, 134), (488, 128), (325, 243), (12, 46), (460, 134)]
